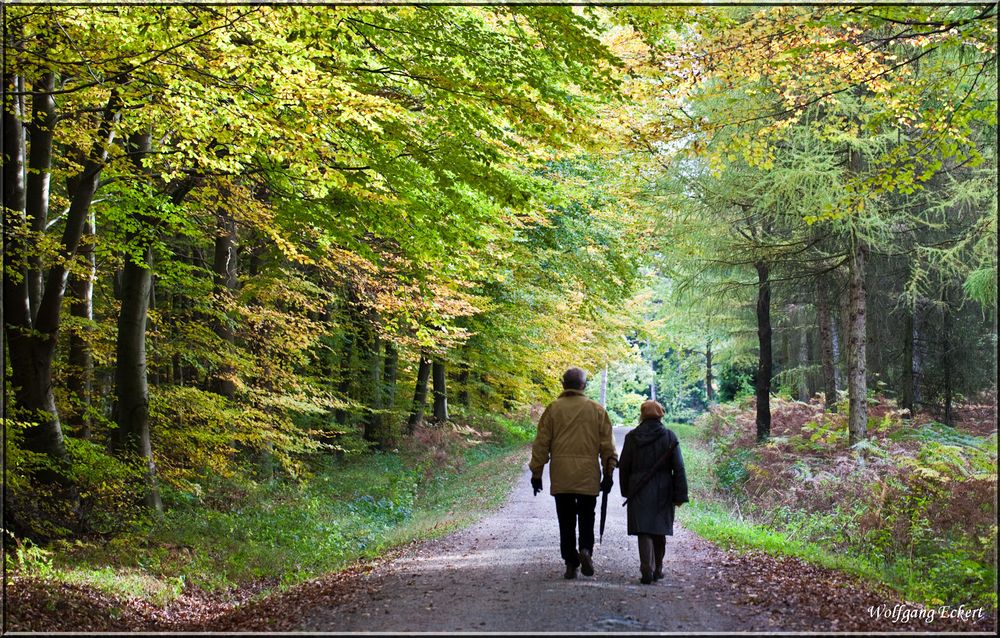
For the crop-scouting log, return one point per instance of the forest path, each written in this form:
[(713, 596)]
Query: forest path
[(505, 574)]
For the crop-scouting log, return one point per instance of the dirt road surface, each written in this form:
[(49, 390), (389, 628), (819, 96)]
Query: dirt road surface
[(505, 574)]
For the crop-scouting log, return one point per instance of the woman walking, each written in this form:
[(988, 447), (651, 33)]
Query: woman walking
[(652, 479)]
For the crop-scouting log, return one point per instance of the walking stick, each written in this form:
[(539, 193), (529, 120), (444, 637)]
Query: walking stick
[(604, 513)]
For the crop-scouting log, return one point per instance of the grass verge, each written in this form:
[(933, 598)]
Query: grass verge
[(273, 535)]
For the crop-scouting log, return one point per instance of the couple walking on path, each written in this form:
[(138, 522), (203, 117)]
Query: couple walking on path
[(574, 436)]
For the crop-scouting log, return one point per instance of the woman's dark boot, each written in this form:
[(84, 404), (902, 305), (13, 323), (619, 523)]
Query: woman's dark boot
[(659, 549), (586, 563), (646, 558)]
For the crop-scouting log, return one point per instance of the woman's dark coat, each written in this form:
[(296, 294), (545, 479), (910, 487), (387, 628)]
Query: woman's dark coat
[(651, 510)]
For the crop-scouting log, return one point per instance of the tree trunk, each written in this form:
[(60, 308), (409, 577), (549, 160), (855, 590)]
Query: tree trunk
[(389, 376), (764, 361), (838, 377), (373, 424), (652, 383), (604, 387), (344, 385), (857, 386), (826, 350), (440, 391), (225, 281), (914, 354), (802, 356), (132, 434), (152, 371), (132, 379), (40, 132), (419, 394), (919, 351), (906, 381), (946, 359), (709, 379), (80, 377)]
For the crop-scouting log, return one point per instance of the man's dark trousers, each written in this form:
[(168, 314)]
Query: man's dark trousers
[(570, 507)]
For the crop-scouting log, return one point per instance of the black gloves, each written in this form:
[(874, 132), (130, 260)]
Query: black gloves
[(536, 484), (608, 482)]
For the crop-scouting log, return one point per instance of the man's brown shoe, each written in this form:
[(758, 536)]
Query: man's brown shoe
[(570, 572), (586, 563)]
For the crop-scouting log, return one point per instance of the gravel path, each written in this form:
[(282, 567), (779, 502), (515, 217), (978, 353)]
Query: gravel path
[(505, 574)]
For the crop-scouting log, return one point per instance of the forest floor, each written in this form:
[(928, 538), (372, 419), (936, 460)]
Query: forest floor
[(504, 574)]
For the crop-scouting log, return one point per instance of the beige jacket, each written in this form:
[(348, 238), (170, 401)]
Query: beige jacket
[(572, 433)]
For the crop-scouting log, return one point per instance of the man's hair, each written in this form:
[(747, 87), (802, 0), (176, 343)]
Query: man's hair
[(574, 379)]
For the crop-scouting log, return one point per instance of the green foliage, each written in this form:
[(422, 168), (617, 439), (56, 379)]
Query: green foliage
[(236, 530), (200, 432), (29, 559), (732, 473), (735, 383), (110, 495), (912, 506), (934, 432)]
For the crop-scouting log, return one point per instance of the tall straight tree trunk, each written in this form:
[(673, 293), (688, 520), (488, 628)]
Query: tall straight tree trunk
[(947, 363), (152, 372), (709, 379), (131, 380), (914, 354), (373, 423), (835, 332), (132, 434), (419, 394), (906, 382), (440, 391), (389, 377), (40, 131), (919, 351), (80, 377), (225, 281), (652, 383), (824, 327), (857, 385), (344, 385), (765, 358), (132, 375), (604, 386), (802, 354)]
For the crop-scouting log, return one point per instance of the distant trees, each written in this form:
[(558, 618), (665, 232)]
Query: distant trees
[(800, 150)]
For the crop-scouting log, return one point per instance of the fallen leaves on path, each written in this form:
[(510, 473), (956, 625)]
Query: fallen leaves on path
[(804, 597), (795, 595), (47, 605)]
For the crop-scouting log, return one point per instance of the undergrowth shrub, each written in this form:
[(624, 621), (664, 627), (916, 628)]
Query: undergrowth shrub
[(104, 498), (916, 500)]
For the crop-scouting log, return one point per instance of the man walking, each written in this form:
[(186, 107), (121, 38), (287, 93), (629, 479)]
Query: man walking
[(574, 433)]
